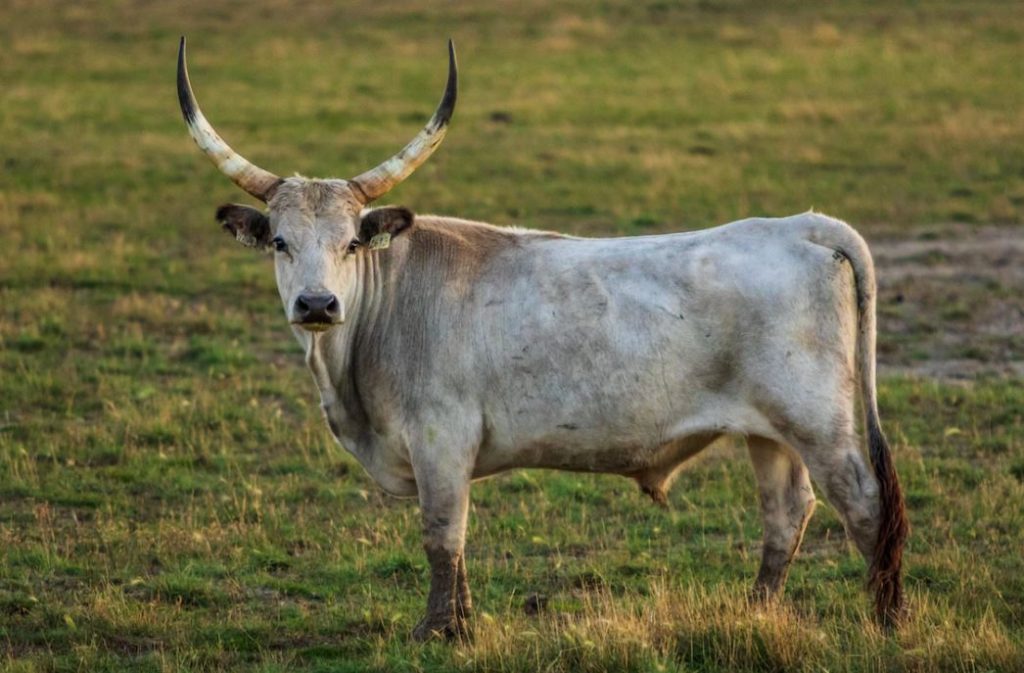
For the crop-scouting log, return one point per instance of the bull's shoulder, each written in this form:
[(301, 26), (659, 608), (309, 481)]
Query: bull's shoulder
[(469, 243), (457, 253)]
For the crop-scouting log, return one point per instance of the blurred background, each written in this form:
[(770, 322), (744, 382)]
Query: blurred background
[(170, 498), (605, 118)]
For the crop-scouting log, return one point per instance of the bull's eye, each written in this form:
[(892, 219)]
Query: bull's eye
[(279, 244), (353, 246)]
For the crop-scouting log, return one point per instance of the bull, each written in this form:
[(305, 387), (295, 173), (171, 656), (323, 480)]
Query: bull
[(447, 350)]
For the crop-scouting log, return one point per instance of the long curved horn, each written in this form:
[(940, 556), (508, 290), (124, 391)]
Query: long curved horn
[(248, 176), (378, 181)]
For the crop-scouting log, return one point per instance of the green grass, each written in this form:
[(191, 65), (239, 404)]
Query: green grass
[(169, 496)]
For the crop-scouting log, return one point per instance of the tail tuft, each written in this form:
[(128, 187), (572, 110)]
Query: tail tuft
[(885, 574)]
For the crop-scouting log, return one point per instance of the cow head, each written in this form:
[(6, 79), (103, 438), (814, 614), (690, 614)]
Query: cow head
[(316, 228)]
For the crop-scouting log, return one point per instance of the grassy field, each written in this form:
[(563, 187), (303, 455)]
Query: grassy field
[(170, 498)]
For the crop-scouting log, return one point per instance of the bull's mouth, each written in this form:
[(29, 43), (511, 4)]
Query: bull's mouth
[(315, 326)]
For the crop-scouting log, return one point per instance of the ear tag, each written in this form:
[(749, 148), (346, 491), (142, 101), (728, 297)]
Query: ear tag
[(380, 241)]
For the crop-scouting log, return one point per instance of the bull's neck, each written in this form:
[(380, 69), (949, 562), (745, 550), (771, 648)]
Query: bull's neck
[(334, 357)]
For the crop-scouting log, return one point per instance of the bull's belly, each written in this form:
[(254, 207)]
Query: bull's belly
[(557, 452), (617, 445)]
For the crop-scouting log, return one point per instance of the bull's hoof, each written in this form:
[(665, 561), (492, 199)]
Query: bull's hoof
[(441, 627), (762, 595), (889, 621)]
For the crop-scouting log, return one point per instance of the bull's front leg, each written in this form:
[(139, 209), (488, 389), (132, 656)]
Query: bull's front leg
[(444, 500)]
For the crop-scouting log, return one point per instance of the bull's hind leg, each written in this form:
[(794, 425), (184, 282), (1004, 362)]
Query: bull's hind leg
[(820, 426), (787, 502), (842, 473), (839, 469)]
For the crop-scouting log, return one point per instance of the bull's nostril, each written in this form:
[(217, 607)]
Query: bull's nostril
[(332, 307), (301, 306)]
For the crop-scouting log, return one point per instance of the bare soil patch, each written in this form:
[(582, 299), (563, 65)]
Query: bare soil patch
[(951, 301)]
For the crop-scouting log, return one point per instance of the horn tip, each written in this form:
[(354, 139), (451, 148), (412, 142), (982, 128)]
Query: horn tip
[(186, 100), (451, 52), (444, 112)]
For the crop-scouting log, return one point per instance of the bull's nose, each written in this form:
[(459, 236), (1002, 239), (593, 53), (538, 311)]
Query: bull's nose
[(317, 308)]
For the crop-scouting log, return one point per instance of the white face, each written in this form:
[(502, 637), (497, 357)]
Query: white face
[(314, 228)]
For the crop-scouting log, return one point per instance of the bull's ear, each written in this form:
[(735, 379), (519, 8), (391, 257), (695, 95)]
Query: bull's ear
[(250, 226), (388, 220)]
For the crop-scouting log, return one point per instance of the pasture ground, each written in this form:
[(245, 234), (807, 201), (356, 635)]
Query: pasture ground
[(169, 497)]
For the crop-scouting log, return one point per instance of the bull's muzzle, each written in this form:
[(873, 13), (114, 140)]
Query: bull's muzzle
[(316, 311)]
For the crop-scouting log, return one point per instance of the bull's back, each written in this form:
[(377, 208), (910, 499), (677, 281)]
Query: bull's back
[(598, 352)]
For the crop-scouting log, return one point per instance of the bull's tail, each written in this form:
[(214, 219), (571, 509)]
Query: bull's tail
[(885, 573)]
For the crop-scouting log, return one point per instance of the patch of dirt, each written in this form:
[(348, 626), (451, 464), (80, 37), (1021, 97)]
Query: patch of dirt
[(951, 301)]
